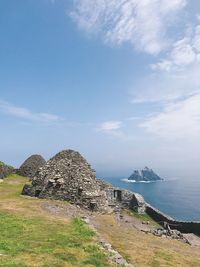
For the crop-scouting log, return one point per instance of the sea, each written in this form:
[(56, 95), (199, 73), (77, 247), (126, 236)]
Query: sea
[(178, 198)]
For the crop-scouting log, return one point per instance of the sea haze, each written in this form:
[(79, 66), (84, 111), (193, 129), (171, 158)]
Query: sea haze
[(178, 198)]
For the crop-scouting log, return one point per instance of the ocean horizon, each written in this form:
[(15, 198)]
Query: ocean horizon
[(178, 198)]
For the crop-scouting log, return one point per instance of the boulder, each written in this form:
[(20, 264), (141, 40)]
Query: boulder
[(31, 166), (68, 176)]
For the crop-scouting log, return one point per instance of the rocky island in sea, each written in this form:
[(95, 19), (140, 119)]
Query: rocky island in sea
[(145, 175)]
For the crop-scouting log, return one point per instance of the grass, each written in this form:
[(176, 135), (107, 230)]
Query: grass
[(3, 164), (29, 238), (38, 242), (146, 250), (160, 257), (33, 237), (143, 217)]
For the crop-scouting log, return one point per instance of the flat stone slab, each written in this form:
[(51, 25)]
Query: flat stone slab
[(192, 239)]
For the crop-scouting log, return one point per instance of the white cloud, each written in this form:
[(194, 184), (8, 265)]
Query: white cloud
[(177, 97), (133, 118), (178, 120), (175, 89), (184, 52), (162, 87), (141, 23), (110, 127), (24, 113), (196, 39)]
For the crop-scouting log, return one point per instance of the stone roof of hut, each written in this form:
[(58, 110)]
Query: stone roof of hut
[(68, 176), (31, 165)]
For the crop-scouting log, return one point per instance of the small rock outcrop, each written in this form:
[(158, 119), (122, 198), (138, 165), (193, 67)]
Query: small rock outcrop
[(145, 175), (68, 176), (31, 166), (171, 234), (5, 170)]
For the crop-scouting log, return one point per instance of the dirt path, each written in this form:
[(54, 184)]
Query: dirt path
[(141, 249), (126, 235), (193, 240)]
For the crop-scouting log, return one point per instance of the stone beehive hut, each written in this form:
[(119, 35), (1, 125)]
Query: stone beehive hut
[(68, 176), (31, 166)]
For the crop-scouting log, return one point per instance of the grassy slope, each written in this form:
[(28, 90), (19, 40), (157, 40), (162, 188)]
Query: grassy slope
[(30, 238), (146, 250), (143, 217)]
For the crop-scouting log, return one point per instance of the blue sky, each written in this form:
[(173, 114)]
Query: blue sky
[(116, 80)]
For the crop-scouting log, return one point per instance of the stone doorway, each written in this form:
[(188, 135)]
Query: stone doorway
[(118, 195)]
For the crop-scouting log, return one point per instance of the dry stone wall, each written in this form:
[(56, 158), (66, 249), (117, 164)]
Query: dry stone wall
[(123, 198), (182, 226), (68, 176)]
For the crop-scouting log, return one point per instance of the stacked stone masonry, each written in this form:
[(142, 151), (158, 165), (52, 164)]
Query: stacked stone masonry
[(183, 227), (31, 165), (68, 176)]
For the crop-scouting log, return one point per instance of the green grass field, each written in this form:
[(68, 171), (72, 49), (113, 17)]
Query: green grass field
[(143, 217), (31, 239), (34, 237)]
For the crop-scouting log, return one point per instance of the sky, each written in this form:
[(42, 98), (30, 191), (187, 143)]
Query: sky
[(116, 80)]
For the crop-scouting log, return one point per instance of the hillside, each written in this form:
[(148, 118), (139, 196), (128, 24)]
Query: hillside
[(5, 170), (37, 232), (31, 236)]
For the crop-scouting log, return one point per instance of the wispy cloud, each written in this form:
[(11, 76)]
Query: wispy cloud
[(177, 120), (176, 75), (26, 114), (184, 52), (173, 83), (143, 24), (110, 127), (163, 87), (175, 87), (133, 118)]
